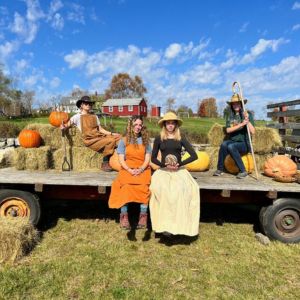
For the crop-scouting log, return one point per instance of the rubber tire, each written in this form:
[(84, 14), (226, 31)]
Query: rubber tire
[(31, 200), (268, 216)]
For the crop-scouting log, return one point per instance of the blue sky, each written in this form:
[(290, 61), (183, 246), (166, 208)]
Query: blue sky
[(186, 49)]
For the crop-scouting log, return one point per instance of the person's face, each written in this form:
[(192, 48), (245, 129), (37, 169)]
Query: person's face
[(86, 106), (137, 126), (170, 125), (236, 106)]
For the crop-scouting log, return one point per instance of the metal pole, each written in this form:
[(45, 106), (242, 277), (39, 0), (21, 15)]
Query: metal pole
[(248, 130)]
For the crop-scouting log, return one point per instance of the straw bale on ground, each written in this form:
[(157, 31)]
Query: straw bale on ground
[(264, 139), (32, 158), (214, 151), (80, 159), (17, 238), (52, 136)]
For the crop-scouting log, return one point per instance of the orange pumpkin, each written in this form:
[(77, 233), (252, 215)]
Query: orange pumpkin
[(232, 168), (114, 162), (280, 165), (57, 117), (29, 138)]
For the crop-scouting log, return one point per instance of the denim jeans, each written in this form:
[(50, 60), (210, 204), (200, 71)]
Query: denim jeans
[(235, 149)]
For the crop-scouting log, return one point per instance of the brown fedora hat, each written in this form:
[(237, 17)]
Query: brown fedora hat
[(84, 99)]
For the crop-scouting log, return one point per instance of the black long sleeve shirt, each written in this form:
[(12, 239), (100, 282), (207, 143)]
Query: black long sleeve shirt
[(171, 146)]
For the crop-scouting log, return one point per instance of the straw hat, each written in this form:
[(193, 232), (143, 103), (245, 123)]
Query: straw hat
[(169, 116), (236, 98)]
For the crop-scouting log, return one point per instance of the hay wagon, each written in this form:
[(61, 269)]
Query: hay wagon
[(21, 193)]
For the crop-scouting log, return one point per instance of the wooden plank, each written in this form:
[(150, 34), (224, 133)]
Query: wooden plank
[(225, 193), (284, 125), (291, 138), (101, 189), (272, 194), (38, 187), (287, 103), (288, 150), (288, 113)]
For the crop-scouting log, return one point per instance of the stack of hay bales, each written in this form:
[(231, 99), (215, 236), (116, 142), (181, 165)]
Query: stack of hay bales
[(264, 140), (17, 237), (51, 153)]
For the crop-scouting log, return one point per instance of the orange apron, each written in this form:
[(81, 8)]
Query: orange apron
[(94, 139), (128, 188)]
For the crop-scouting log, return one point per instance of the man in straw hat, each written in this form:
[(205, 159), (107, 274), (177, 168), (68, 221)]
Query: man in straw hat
[(238, 140), (93, 135)]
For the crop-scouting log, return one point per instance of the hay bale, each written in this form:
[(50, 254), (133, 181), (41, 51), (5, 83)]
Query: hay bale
[(33, 158), (216, 135), (6, 157), (265, 139), (17, 238), (51, 136), (80, 159)]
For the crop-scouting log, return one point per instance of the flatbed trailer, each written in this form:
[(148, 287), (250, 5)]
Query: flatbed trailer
[(22, 191)]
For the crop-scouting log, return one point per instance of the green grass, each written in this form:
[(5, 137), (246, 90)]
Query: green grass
[(81, 256)]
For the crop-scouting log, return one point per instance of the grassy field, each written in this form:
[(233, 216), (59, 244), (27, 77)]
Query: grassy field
[(82, 255)]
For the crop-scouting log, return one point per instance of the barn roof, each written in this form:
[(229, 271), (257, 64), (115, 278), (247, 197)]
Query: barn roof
[(127, 101)]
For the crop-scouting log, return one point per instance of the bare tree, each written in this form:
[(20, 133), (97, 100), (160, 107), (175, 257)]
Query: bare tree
[(27, 99), (170, 104)]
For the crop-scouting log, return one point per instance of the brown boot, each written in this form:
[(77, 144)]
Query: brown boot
[(106, 167), (142, 220), (124, 222)]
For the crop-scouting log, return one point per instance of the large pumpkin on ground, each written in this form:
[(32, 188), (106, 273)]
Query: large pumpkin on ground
[(58, 117), (114, 162), (198, 165), (29, 138), (233, 169), (280, 165)]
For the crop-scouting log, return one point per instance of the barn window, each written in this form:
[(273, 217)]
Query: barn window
[(120, 108), (111, 109), (130, 107)]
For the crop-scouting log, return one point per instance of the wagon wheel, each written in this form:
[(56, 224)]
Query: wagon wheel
[(15, 203), (281, 221)]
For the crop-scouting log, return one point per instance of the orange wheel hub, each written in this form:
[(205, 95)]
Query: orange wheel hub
[(14, 207)]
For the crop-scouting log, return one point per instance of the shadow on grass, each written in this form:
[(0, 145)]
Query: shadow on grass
[(98, 210)]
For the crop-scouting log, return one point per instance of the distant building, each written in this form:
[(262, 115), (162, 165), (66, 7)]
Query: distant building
[(125, 107), (155, 111), (68, 104)]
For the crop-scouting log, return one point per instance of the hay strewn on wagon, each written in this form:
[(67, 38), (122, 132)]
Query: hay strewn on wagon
[(17, 238)]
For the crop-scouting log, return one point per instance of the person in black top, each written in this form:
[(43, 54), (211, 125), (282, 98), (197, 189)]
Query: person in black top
[(175, 198)]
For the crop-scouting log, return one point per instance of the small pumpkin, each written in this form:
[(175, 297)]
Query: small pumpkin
[(114, 161), (58, 117), (232, 168), (280, 165), (198, 165), (29, 138), (171, 160)]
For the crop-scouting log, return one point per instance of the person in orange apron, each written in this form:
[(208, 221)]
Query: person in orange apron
[(133, 180), (93, 135)]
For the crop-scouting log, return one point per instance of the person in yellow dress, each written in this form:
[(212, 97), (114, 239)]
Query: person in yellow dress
[(133, 180)]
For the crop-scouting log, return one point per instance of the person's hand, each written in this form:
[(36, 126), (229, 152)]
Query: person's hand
[(172, 167), (131, 171), (246, 115), (116, 134), (62, 126)]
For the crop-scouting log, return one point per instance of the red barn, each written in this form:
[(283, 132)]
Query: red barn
[(155, 111), (125, 107)]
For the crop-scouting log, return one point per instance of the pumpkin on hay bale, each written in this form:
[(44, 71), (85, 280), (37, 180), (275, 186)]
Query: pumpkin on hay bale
[(29, 138), (56, 118), (280, 165), (198, 165), (80, 158), (32, 158), (232, 168), (51, 136), (18, 237)]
